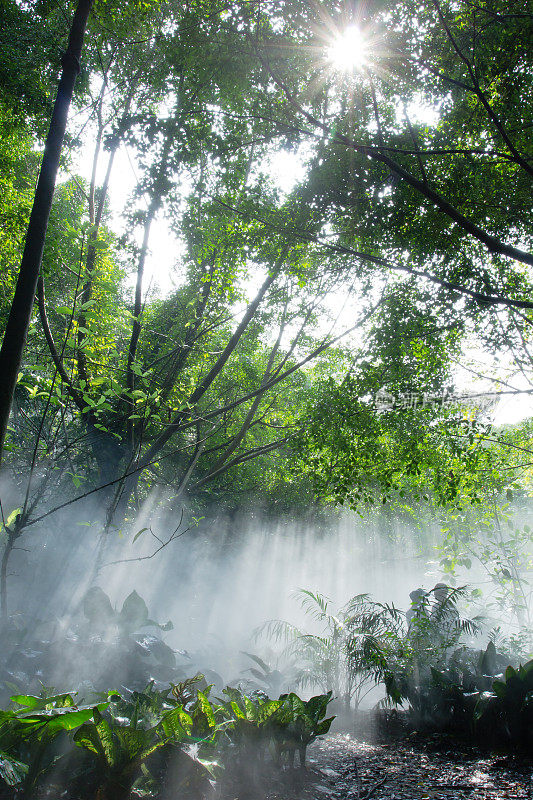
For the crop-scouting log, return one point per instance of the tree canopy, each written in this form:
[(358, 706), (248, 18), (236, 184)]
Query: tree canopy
[(311, 346)]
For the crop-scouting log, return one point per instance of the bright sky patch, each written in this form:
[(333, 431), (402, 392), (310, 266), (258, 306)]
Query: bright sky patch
[(349, 50)]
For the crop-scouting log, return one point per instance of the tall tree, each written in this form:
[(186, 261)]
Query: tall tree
[(20, 313)]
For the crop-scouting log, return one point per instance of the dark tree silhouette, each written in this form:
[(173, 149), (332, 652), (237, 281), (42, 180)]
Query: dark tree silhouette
[(21, 308)]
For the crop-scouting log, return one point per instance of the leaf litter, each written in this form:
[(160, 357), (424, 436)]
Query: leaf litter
[(416, 767)]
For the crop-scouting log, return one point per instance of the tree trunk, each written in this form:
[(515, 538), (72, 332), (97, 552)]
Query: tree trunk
[(21, 308), (3, 576)]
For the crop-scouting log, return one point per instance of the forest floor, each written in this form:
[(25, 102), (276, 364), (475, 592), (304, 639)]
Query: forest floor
[(343, 767)]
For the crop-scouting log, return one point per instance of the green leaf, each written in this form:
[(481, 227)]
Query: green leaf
[(206, 708), (132, 741), (87, 737), (60, 719), (12, 518), (177, 724), (108, 741), (237, 710), (324, 726), (29, 700), (139, 534), (266, 710), (510, 673)]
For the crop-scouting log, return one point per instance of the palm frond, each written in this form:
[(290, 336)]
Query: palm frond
[(276, 629)]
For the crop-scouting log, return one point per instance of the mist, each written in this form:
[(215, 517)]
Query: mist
[(219, 578)]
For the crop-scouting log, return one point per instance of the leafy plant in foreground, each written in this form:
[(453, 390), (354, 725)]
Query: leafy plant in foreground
[(251, 720), (29, 735), (507, 711), (286, 725), (303, 723), (118, 751), (171, 742)]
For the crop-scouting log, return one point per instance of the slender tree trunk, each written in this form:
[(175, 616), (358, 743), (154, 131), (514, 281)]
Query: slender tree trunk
[(21, 308), (3, 576), (155, 204)]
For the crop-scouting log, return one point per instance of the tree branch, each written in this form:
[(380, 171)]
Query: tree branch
[(491, 243)]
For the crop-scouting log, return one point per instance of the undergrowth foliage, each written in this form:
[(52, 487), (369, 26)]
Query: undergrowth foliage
[(425, 659), (177, 735), (154, 742)]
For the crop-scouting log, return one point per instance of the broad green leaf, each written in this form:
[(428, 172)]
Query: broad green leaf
[(206, 708), (12, 518), (324, 726), (177, 724)]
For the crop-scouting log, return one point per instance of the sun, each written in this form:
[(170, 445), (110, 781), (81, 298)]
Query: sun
[(349, 51)]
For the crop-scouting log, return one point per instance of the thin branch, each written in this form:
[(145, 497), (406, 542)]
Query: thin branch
[(481, 297), (76, 396), (480, 94), (492, 244), (172, 538)]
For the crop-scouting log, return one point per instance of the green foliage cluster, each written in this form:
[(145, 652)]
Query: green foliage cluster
[(508, 708), (100, 645), (446, 683), (29, 59), (204, 112), (193, 99), (18, 168), (145, 739), (469, 697), (421, 660), (497, 540), (412, 212)]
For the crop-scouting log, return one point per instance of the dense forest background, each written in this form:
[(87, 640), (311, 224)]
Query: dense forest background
[(266, 310), (277, 277)]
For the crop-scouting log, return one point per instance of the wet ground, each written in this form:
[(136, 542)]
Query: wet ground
[(340, 767)]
